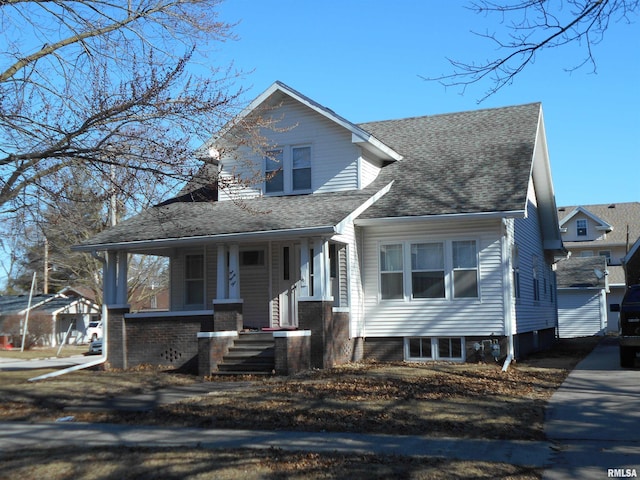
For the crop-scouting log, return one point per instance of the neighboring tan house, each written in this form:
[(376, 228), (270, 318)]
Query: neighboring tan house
[(426, 238), (605, 230), (65, 314)]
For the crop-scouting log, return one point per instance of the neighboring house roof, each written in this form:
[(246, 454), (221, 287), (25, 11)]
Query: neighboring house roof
[(582, 272), (618, 216), (49, 303), (475, 162), (18, 304), (601, 224)]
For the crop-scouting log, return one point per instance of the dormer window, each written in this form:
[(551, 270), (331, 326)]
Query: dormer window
[(581, 226), (288, 170), (301, 168), (274, 171)]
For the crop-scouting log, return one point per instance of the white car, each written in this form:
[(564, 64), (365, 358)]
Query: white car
[(94, 331), (95, 347)]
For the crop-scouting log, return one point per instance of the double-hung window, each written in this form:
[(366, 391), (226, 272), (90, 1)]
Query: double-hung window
[(288, 170), (465, 269), (427, 270), (194, 280), (301, 168), (274, 171), (581, 227), (391, 271)]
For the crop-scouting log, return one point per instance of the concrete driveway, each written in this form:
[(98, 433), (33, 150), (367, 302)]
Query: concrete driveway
[(593, 420)]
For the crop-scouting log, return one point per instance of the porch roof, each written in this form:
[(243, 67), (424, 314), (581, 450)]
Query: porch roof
[(187, 222)]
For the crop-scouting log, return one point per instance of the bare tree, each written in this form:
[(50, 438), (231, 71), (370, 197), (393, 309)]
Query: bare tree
[(103, 83), (533, 26)]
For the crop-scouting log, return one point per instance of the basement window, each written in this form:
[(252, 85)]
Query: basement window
[(421, 349)]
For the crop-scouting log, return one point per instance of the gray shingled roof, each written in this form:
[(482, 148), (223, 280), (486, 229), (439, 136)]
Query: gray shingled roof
[(469, 162), (264, 214), (577, 272), (619, 215)]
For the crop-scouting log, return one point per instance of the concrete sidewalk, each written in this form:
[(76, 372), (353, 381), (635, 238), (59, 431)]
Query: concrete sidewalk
[(49, 435)]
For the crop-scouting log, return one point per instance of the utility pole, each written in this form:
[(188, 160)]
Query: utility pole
[(45, 285)]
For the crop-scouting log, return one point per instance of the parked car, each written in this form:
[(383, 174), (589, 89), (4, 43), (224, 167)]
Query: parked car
[(95, 347), (94, 331), (630, 326)]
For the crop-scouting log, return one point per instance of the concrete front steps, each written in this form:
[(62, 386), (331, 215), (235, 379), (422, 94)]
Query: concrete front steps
[(251, 354)]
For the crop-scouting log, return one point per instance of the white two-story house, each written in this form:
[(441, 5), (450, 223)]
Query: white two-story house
[(427, 238)]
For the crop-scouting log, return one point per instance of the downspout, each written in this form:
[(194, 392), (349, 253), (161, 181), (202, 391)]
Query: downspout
[(508, 294), (98, 361)]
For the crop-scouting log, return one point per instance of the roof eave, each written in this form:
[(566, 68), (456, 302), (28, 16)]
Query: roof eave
[(160, 243), (446, 216)]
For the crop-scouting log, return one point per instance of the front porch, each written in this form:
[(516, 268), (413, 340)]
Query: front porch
[(294, 291)]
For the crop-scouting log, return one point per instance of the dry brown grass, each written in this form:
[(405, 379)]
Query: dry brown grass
[(453, 400), (194, 464)]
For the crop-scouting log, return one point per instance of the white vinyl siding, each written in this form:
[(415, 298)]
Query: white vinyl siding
[(442, 317), (368, 171), (334, 158), (531, 313), (581, 313)]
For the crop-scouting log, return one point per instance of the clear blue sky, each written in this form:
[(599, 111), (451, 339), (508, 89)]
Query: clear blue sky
[(364, 59)]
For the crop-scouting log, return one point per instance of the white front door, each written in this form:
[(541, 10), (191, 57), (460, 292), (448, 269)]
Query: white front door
[(289, 285)]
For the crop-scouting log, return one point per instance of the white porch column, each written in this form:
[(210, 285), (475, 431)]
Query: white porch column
[(304, 268), (121, 283), (221, 278), (234, 272), (321, 276), (110, 278)]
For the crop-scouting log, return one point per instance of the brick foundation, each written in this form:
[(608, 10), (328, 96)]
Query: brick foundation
[(292, 351), (212, 347), (227, 316), (330, 342)]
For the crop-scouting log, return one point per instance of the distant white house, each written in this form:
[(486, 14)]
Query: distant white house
[(68, 311)]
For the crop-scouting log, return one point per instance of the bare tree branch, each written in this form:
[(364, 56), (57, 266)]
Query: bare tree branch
[(532, 27)]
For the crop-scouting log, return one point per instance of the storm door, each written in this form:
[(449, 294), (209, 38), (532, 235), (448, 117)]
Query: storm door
[(289, 285)]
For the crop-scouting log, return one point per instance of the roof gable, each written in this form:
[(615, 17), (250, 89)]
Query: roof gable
[(358, 136), (600, 224)]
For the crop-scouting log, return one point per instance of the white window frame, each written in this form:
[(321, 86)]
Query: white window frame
[(434, 344), (286, 152), (194, 280), (579, 222), (448, 270)]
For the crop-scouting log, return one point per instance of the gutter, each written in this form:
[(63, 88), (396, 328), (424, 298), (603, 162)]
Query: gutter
[(444, 216), (179, 242)]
